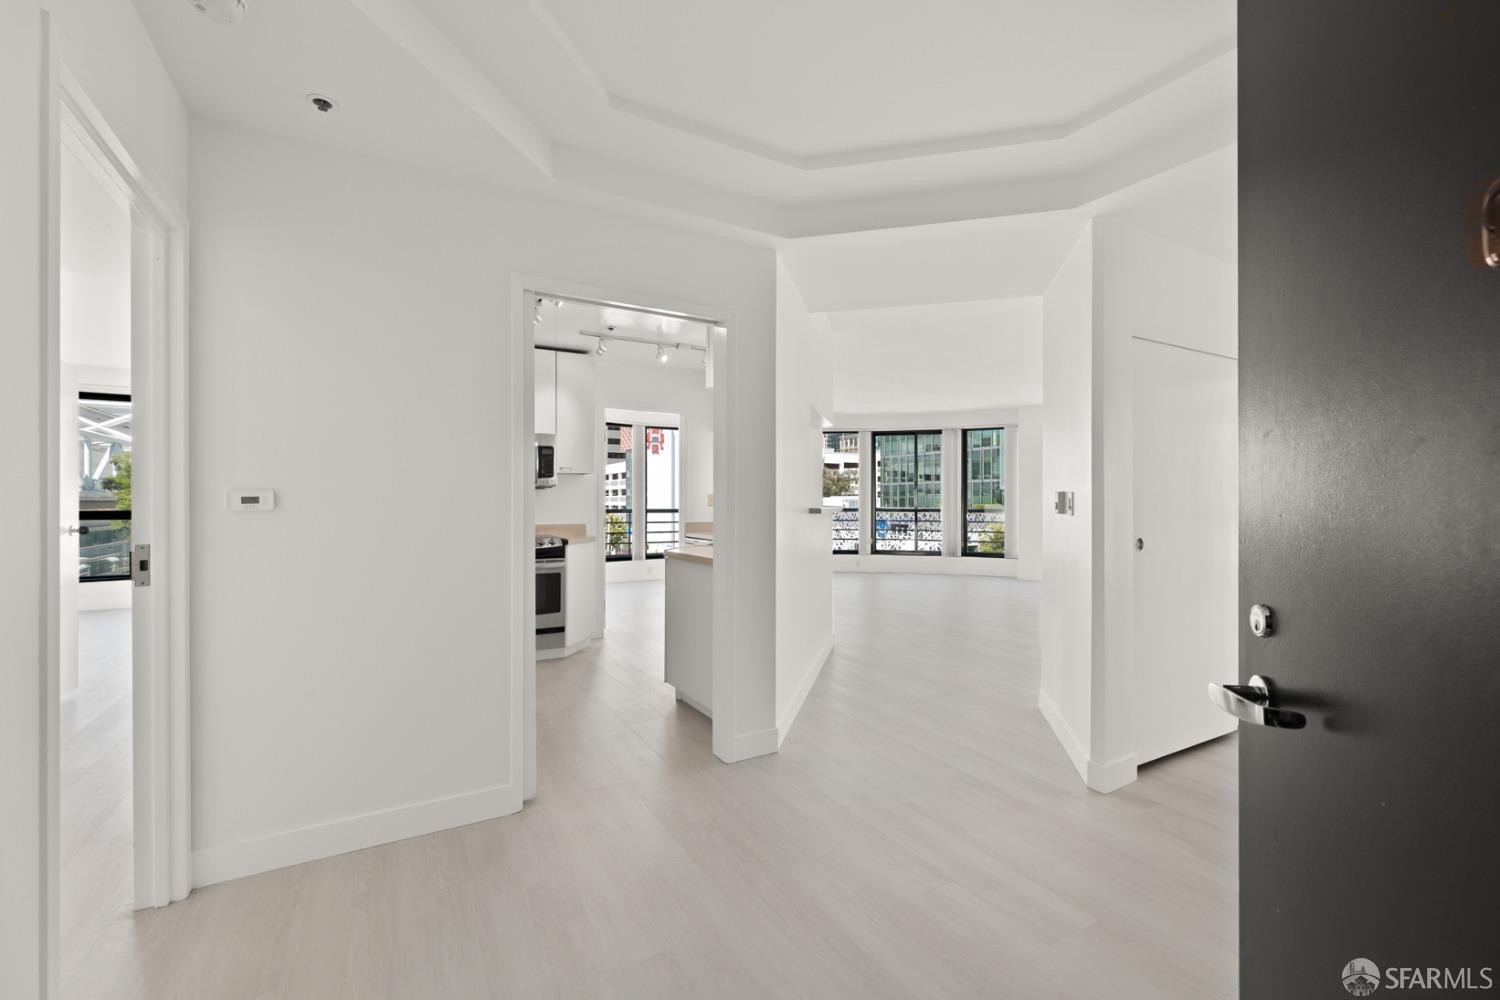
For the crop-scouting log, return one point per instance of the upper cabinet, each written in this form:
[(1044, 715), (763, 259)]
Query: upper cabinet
[(565, 409), (546, 391), (576, 427)]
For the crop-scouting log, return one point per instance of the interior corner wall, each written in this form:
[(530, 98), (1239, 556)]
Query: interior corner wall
[(352, 323), (804, 560), (1069, 584), (1117, 284), (1153, 288)]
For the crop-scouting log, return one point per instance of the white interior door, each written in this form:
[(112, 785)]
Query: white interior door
[(1186, 510), (68, 527)]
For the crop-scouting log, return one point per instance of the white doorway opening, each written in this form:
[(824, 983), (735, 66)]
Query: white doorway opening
[(527, 293), (132, 657)]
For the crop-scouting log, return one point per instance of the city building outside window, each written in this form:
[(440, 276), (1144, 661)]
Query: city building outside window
[(619, 491), (841, 488), (104, 469), (984, 491), (908, 514), (663, 504)]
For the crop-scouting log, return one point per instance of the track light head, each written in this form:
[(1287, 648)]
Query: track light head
[(661, 354)]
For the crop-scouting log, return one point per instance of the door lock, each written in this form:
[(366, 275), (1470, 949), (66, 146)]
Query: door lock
[(1262, 621)]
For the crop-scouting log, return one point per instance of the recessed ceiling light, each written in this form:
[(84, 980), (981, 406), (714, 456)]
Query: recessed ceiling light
[(221, 11), (321, 103)]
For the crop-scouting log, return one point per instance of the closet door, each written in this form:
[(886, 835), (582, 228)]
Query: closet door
[(1186, 510)]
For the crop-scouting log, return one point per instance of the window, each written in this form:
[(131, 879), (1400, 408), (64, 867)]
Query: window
[(908, 515), (841, 488), (619, 490), (103, 486), (662, 502), (984, 491)]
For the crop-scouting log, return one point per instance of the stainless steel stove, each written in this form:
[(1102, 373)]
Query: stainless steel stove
[(551, 591)]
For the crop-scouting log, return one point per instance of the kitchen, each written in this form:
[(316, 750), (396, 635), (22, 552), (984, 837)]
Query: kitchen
[(624, 412)]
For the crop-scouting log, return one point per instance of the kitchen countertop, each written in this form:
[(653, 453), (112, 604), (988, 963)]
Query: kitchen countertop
[(699, 529), (693, 553), (576, 534)]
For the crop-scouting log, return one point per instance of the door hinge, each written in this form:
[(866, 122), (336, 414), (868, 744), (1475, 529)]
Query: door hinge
[(140, 565)]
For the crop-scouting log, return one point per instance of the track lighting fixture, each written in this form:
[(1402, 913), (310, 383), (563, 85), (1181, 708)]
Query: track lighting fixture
[(661, 354)]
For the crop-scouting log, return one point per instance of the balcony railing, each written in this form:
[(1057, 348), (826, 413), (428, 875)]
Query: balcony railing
[(663, 530), (984, 531), (846, 528), (618, 534), (918, 532)]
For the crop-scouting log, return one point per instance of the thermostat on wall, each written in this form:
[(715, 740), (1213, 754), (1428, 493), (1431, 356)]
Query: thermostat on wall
[(252, 499)]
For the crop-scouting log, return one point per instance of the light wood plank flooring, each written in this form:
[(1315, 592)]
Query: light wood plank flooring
[(95, 793), (921, 834)]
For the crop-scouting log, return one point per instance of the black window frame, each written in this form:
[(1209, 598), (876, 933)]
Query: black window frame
[(86, 516), (875, 507), (963, 442)]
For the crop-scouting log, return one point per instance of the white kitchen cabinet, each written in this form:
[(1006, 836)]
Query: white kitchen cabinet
[(576, 430), (546, 391)]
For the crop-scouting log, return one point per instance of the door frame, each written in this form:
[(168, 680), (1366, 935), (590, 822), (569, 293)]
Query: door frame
[(159, 234), (522, 419)]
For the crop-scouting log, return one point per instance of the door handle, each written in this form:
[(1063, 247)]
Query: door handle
[(1489, 225), (1253, 703)]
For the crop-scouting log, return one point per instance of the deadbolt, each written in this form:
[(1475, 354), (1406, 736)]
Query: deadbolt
[(1262, 621)]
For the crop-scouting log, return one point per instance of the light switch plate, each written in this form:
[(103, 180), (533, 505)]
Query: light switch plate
[(241, 500), (1064, 504)]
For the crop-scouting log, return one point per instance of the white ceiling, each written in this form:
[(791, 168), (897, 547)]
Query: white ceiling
[(764, 117), (94, 252), (561, 324), (1011, 256), (937, 358)]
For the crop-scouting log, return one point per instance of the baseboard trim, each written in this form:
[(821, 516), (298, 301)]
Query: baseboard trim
[(1112, 775), (809, 678), (747, 745), (325, 840), (1103, 777), (1064, 734)]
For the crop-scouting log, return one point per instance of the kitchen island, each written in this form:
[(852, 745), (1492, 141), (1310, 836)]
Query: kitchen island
[(690, 625)]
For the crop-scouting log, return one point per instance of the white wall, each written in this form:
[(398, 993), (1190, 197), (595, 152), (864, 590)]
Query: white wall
[(351, 323), (108, 50), (804, 570), (627, 386), (1118, 283), (1144, 286), (21, 854), (1068, 462), (942, 357)]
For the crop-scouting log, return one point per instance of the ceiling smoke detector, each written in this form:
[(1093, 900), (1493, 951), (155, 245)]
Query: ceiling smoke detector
[(221, 11), (321, 103)]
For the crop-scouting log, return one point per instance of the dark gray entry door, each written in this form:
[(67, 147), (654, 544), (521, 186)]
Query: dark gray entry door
[(1369, 477)]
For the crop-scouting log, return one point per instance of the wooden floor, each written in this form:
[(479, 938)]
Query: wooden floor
[(921, 834), (95, 791)]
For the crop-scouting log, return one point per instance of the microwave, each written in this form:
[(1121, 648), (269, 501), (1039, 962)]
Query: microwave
[(546, 469)]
